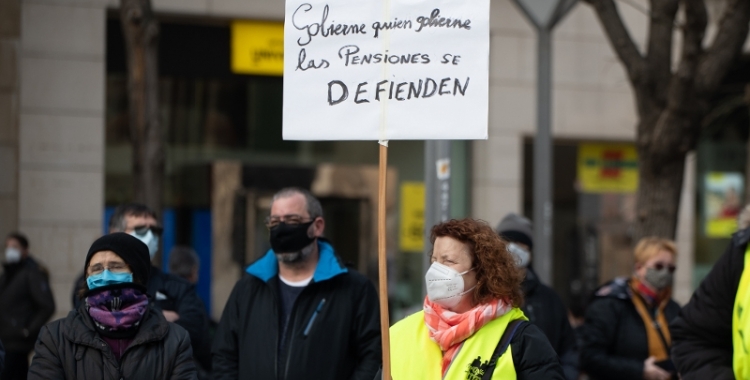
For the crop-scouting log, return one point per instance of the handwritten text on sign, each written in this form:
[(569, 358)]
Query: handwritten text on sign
[(386, 70)]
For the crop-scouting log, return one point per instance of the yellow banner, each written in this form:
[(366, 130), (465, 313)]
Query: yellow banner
[(258, 48), (412, 217), (607, 168)]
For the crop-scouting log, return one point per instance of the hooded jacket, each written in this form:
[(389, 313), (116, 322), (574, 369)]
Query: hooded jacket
[(613, 338), (545, 309), (70, 348), (26, 303), (702, 333), (333, 331)]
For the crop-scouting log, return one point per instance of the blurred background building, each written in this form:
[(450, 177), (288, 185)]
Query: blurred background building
[(65, 157)]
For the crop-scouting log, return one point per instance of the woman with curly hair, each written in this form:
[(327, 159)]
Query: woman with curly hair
[(471, 326)]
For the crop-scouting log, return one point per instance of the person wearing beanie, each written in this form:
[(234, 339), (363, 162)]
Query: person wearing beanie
[(543, 306), (174, 297), (115, 333)]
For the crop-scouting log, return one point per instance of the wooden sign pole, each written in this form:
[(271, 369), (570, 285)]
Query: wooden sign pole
[(383, 263)]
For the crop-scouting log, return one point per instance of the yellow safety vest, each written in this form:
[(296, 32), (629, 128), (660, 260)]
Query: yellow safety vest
[(741, 324), (415, 356)]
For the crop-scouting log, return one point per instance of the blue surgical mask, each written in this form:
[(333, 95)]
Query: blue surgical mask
[(108, 278), (150, 239)]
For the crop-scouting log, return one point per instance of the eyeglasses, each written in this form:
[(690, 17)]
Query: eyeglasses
[(292, 219), (660, 266), (143, 230), (113, 267)]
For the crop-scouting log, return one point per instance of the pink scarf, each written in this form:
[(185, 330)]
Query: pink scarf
[(449, 329)]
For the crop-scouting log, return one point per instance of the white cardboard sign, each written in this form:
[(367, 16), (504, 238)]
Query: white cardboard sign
[(386, 69)]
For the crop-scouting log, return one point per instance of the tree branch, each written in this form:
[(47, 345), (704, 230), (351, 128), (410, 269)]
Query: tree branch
[(620, 39), (681, 89), (733, 30), (659, 51)]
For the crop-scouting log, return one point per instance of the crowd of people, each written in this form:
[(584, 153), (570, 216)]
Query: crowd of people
[(300, 313)]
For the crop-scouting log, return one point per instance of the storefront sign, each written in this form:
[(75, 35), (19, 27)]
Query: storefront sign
[(412, 217), (607, 168), (258, 48), (386, 70), (722, 202)]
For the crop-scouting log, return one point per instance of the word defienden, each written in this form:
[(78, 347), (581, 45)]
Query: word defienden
[(338, 91)]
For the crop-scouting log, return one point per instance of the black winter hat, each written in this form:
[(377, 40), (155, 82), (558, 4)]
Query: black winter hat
[(516, 228), (129, 248)]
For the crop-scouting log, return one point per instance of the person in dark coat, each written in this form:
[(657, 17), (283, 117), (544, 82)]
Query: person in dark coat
[(299, 312), (26, 303), (542, 305), (472, 306), (702, 332), (625, 334), (185, 263), (173, 296), (116, 333)]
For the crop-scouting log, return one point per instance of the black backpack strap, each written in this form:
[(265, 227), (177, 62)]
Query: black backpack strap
[(502, 346)]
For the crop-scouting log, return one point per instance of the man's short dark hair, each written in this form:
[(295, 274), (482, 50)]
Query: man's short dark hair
[(313, 204), (117, 220), (20, 238), (182, 261)]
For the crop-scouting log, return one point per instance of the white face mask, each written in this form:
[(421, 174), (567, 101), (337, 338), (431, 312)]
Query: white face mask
[(521, 255), (445, 286), (151, 240), (12, 255)]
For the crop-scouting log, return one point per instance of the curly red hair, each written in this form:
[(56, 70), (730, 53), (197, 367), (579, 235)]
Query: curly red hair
[(496, 271)]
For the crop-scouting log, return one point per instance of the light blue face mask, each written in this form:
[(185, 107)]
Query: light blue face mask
[(108, 278), (150, 239)]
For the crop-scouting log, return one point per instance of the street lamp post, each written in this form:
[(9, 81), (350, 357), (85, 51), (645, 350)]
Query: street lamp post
[(544, 15)]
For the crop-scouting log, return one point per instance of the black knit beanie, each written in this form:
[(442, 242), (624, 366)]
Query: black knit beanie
[(129, 248)]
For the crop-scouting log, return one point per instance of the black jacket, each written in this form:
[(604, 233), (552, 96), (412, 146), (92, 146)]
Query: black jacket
[(71, 349), (341, 341), (613, 339), (26, 303), (545, 309), (169, 292), (533, 357), (702, 333)]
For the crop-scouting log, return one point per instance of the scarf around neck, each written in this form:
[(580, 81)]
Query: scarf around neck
[(117, 313), (449, 330), (650, 306)]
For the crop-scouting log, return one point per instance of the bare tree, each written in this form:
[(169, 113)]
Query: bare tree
[(141, 31), (672, 100)]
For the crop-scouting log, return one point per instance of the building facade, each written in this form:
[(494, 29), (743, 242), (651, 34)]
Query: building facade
[(64, 165)]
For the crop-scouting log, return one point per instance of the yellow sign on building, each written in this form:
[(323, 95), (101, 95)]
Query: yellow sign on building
[(411, 237), (258, 48), (607, 168)]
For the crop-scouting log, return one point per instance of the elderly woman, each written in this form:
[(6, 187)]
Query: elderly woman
[(626, 331), (115, 333), (471, 326)]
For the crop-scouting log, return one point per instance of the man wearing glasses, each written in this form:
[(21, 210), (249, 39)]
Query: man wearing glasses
[(174, 296), (299, 313)]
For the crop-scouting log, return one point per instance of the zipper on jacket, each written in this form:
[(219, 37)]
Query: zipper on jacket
[(295, 319)]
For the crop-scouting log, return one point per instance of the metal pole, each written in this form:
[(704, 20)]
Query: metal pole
[(437, 193), (542, 253)]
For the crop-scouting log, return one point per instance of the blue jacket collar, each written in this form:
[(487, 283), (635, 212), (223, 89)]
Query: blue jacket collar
[(328, 264)]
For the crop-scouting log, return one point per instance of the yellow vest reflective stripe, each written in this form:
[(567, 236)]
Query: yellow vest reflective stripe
[(741, 324), (415, 356)]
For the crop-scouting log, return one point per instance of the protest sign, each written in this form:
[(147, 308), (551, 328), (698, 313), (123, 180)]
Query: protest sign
[(386, 69)]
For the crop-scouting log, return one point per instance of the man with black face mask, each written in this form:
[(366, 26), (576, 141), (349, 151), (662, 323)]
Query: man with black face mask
[(299, 313)]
